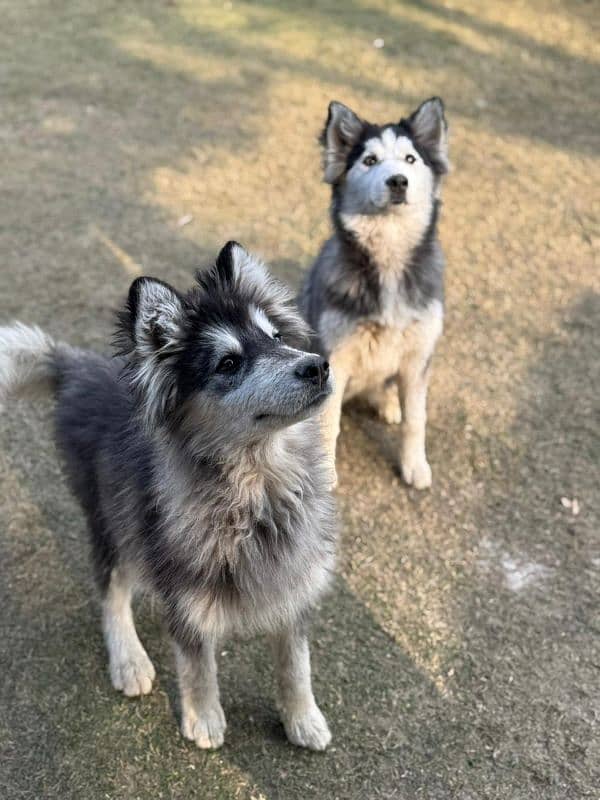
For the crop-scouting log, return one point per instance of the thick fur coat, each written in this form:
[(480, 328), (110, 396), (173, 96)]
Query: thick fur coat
[(375, 293), (196, 456)]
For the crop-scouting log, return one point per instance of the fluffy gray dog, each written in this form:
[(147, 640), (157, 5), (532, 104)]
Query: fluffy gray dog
[(196, 456)]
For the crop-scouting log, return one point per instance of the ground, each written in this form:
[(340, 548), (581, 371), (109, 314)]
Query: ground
[(458, 655)]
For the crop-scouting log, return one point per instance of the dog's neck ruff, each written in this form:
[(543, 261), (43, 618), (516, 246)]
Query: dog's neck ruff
[(249, 481), (389, 238), (393, 263), (256, 535)]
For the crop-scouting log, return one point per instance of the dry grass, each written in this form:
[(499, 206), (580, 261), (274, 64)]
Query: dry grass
[(458, 656)]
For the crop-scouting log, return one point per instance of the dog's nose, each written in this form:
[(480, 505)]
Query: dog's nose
[(315, 370), (397, 182)]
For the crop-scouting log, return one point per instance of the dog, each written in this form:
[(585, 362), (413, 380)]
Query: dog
[(196, 455), (375, 294)]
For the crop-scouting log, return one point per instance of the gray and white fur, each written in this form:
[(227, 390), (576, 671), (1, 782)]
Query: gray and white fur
[(196, 456), (375, 293)]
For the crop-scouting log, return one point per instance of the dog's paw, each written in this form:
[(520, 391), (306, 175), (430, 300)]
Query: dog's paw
[(308, 729), (133, 673), (388, 408), (416, 471), (205, 726)]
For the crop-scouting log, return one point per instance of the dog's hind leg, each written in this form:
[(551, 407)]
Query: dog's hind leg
[(302, 719), (385, 400), (202, 717), (131, 670)]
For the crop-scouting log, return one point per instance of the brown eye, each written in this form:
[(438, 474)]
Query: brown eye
[(229, 364), (368, 161), (410, 158)]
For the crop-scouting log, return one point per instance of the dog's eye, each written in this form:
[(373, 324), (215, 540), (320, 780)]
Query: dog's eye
[(410, 158), (277, 336), (368, 161), (229, 364)]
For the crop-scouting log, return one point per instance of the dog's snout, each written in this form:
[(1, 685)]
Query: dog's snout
[(314, 370), (397, 183)]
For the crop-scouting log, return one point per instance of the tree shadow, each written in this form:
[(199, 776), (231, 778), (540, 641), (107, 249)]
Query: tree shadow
[(515, 85)]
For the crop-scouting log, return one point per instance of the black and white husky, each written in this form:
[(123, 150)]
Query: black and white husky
[(196, 456), (375, 294)]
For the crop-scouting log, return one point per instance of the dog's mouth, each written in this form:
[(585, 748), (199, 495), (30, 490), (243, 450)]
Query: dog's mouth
[(398, 201), (303, 412)]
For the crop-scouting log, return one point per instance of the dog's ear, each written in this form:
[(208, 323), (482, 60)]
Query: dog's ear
[(341, 132), (430, 132), (237, 270), (226, 264), (234, 264), (152, 322)]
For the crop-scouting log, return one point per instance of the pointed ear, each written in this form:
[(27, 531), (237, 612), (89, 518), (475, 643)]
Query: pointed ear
[(153, 318), (430, 132), (341, 132), (238, 271), (234, 262), (235, 267)]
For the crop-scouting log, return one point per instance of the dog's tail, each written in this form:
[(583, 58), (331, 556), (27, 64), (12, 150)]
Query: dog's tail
[(29, 361)]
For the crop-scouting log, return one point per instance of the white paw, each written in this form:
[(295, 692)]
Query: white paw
[(391, 412), (416, 471), (133, 673), (308, 729), (205, 726)]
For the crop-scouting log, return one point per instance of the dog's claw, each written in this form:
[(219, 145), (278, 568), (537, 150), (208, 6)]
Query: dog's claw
[(206, 727)]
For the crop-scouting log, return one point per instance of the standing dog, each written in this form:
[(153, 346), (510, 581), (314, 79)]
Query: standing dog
[(375, 294), (196, 456)]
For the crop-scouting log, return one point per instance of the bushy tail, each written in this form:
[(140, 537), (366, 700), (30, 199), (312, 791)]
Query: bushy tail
[(27, 361)]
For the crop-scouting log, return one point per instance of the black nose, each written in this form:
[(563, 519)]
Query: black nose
[(398, 183), (314, 369)]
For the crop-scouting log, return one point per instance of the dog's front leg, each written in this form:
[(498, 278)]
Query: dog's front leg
[(413, 379), (332, 413), (302, 719), (202, 717), (131, 670)]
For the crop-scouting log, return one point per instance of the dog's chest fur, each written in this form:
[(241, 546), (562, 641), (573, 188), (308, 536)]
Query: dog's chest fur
[(370, 351), (389, 239), (257, 540), (373, 315)]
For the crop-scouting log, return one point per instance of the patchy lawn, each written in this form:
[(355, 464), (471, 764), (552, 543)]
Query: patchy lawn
[(459, 653)]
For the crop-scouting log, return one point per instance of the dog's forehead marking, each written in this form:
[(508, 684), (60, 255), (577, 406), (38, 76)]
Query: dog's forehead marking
[(222, 339), (389, 145), (261, 320)]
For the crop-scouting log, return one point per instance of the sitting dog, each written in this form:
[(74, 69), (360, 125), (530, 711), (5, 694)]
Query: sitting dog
[(375, 293), (196, 456)]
